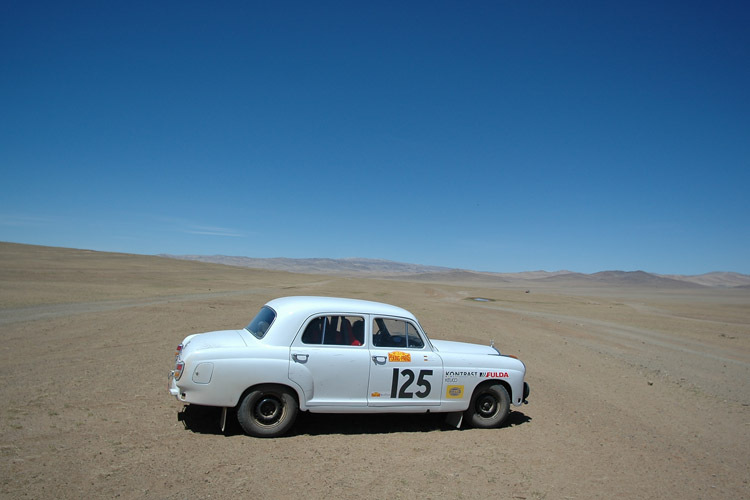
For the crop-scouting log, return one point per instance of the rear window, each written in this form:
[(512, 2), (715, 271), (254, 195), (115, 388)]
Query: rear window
[(262, 322)]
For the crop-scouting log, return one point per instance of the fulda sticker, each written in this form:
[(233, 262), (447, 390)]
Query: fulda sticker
[(494, 375), (399, 357), (454, 392)]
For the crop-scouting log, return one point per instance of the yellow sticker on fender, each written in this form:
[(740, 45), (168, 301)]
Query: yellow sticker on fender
[(399, 357), (454, 392)]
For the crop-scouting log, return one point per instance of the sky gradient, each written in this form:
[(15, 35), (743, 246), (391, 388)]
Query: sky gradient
[(499, 136)]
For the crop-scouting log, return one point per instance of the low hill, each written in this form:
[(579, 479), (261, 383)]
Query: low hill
[(353, 267), (716, 279), (347, 267)]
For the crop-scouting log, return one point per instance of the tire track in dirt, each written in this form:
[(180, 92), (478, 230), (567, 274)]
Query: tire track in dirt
[(710, 368), (52, 311), (636, 335)]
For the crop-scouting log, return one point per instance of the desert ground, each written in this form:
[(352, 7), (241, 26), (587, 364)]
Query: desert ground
[(636, 391)]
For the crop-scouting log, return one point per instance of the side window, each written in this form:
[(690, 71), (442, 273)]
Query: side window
[(335, 330), (314, 332), (389, 332)]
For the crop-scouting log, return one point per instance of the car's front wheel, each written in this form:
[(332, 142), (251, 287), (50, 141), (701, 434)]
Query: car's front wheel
[(490, 406), (267, 411)]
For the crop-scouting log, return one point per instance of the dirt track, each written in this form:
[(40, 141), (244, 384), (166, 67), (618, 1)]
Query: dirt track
[(635, 393)]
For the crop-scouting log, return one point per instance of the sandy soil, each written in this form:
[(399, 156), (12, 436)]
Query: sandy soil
[(635, 393)]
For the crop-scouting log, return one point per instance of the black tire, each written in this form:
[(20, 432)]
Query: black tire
[(490, 406), (267, 411)]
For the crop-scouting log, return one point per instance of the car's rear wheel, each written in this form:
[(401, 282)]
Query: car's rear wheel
[(490, 406), (267, 411)]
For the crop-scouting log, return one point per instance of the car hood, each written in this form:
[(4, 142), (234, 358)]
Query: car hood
[(449, 346), (210, 340)]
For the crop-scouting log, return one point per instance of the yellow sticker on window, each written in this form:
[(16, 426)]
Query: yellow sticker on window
[(454, 392), (399, 357)]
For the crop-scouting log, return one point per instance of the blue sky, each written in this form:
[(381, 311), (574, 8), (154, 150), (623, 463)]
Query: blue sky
[(498, 135)]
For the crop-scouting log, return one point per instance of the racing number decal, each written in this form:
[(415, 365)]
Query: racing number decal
[(409, 375)]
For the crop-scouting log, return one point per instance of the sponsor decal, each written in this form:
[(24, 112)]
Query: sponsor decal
[(450, 376), (399, 357), (375, 394), (454, 392)]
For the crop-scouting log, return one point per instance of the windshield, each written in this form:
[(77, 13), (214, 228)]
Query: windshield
[(262, 322)]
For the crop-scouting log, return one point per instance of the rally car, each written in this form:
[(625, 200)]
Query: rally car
[(334, 355)]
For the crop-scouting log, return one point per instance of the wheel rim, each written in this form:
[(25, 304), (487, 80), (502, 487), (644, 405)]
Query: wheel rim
[(486, 406), (268, 410)]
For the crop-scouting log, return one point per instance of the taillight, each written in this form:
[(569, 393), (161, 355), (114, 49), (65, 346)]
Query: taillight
[(178, 351), (178, 367)]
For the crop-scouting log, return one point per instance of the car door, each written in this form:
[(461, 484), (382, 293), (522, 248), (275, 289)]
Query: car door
[(404, 371), (329, 361)]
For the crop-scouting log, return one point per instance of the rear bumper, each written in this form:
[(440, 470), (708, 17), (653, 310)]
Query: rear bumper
[(172, 385)]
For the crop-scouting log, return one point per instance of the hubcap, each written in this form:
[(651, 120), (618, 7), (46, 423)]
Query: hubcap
[(486, 406), (268, 410)]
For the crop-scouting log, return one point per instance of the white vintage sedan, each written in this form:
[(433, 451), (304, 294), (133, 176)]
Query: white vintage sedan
[(333, 355)]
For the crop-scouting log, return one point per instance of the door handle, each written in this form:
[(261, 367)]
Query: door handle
[(379, 360), (300, 358)]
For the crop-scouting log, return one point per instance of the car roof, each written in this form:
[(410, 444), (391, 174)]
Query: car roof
[(292, 312), (306, 306)]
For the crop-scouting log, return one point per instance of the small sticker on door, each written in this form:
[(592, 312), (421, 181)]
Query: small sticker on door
[(399, 357)]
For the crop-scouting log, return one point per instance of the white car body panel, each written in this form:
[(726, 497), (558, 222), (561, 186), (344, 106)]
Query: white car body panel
[(318, 370), (439, 376)]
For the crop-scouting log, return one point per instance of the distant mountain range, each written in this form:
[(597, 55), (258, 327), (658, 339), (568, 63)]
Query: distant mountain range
[(378, 268)]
